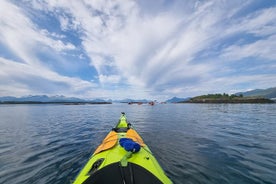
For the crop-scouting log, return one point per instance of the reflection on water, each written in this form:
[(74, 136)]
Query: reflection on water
[(194, 143)]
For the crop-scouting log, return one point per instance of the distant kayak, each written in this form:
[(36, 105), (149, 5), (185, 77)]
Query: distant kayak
[(122, 158)]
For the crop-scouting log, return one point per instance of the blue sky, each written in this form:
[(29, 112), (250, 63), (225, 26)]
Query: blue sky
[(136, 49)]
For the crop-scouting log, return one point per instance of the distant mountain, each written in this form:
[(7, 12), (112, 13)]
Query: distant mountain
[(97, 100), (7, 98), (127, 100), (36, 98), (176, 100), (46, 99), (267, 93)]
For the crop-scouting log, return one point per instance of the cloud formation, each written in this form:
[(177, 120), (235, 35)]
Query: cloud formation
[(138, 49)]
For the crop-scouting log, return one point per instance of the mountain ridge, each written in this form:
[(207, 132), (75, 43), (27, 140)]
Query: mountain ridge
[(43, 99), (266, 93), (176, 100)]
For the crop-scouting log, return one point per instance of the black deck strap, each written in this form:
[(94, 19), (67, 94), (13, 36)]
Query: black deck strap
[(120, 130)]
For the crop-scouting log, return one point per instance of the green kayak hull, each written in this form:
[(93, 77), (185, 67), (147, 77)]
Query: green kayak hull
[(112, 163)]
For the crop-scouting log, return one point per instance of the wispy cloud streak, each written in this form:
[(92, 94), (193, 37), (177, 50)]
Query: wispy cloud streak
[(147, 49)]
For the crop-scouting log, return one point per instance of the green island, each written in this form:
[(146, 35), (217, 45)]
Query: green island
[(226, 98)]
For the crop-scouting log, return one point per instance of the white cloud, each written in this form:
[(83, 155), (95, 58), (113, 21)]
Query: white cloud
[(229, 84), (171, 49), (260, 23), (54, 35), (26, 79), (23, 37), (28, 74), (156, 49), (110, 79), (262, 49)]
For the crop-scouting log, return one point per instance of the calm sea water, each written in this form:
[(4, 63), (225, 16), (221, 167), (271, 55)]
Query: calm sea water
[(194, 143)]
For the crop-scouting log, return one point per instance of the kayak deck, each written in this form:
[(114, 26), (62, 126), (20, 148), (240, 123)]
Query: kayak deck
[(111, 163)]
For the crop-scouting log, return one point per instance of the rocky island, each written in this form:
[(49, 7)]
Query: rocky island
[(225, 98)]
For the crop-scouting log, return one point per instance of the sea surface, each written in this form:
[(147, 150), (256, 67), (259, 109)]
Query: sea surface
[(194, 143)]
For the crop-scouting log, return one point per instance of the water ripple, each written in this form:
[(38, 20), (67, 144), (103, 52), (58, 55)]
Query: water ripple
[(193, 143)]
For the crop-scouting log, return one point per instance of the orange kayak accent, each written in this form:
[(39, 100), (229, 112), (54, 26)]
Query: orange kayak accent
[(109, 141), (132, 134), (112, 138)]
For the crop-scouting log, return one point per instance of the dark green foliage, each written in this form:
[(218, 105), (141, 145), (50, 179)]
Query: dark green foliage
[(226, 98), (216, 96)]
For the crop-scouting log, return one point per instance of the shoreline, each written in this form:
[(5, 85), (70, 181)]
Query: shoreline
[(232, 101), (59, 103)]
